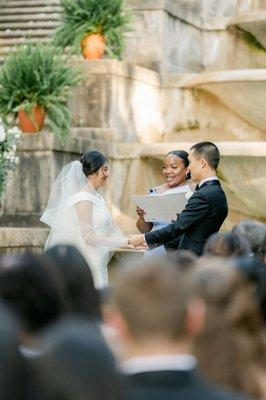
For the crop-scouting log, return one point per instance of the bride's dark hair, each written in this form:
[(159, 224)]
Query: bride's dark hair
[(92, 161)]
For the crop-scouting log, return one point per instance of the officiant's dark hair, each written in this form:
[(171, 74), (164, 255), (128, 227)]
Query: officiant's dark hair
[(209, 151), (92, 161), (181, 154), (184, 157)]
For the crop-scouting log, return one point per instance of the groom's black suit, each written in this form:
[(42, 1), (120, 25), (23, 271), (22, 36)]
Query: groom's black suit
[(204, 214)]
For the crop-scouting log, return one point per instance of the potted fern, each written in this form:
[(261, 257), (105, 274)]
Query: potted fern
[(97, 26), (35, 82)]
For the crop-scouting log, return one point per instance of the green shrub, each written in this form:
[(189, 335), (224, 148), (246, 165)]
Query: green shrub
[(37, 75)]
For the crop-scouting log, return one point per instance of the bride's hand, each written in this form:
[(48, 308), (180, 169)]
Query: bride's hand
[(130, 246)]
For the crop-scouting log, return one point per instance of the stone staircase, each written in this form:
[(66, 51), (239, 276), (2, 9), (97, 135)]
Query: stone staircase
[(24, 21)]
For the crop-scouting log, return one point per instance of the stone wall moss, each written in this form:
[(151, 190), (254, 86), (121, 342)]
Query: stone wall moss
[(248, 37)]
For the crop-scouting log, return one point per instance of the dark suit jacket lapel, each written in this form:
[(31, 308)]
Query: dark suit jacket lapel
[(165, 379), (210, 183)]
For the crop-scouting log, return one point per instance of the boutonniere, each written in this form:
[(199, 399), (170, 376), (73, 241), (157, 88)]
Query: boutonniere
[(189, 194)]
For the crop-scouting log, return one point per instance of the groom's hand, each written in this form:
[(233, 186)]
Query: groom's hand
[(137, 240)]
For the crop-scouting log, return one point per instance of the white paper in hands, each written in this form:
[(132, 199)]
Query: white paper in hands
[(161, 207)]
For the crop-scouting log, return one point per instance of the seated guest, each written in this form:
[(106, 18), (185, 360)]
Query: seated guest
[(264, 249), (184, 260), (227, 244), (230, 348), (254, 270), (81, 296), (254, 232), (14, 378), (77, 364), (176, 175), (31, 288), (157, 318)]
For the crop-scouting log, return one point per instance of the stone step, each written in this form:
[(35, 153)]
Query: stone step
[(32, 24), (6, 50), (21, 40), (30, 10), (21, 239), (30, 3), (29, 17), (24, 33)]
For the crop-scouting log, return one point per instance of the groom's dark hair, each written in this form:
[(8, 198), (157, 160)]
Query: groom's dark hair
[(92, 161), (209, 151)]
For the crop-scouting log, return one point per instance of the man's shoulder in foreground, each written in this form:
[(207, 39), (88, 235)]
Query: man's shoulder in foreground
[(172, 385)]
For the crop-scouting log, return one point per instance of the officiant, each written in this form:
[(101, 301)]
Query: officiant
[(177, 180)]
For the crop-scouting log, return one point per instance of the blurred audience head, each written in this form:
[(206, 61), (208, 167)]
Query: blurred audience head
[(154, 303), (233, 327), (254, 270), (13, 375), (84, 366), (264, 249), (184, 260), (255, 233), (227, 244), (81, 296), (29, 285)]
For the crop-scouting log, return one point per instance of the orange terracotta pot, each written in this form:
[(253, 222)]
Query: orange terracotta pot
[(93, 46), (33, 122)]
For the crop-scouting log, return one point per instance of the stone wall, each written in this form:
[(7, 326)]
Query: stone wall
[(145, 110), (120, 98), (190, 36)]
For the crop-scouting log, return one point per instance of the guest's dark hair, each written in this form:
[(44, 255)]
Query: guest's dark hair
[(209, 151), (185, 260), (14, 380), (255, 271), (30, 286), (77, 364), (226, 244), (181, 154), (254, 232), (233, 324), (92, 161), (82, 297), (263, 249)]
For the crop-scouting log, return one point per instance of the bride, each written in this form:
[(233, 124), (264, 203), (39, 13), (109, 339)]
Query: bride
[(78, 215)]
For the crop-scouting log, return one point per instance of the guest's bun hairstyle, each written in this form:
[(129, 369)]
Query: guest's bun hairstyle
[(209, 151), (92, 161), (184, 157)]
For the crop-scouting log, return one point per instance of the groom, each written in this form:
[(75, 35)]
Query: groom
[(205, 211)]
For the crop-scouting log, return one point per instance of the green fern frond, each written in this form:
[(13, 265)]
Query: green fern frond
[(81, 17), (38, 74)]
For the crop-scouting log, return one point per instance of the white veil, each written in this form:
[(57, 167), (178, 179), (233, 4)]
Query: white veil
[(69, 226)]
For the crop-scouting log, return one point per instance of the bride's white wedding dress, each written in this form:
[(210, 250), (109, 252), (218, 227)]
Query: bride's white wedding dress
[(91, 229)]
